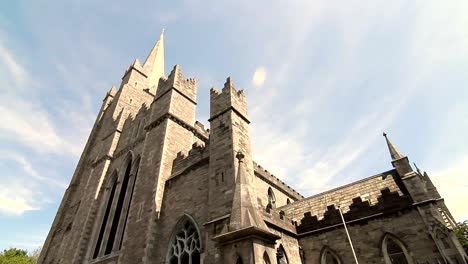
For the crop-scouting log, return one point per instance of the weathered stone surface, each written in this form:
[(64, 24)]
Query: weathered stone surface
[(150, 170)]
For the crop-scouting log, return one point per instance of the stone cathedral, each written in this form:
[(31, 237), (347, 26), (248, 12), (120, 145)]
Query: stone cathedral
[(154, 186)]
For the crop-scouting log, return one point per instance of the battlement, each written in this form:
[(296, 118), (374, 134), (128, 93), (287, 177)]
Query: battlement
[(387, 202), (275, 181), (184, 161), (177, 81), (279, 219), (226, 99), (201, 129)]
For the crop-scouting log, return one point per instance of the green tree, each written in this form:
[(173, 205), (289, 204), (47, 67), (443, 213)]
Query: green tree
[(461, 231), (16, 256)]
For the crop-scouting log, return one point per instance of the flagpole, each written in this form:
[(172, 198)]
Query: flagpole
[(347, 233)]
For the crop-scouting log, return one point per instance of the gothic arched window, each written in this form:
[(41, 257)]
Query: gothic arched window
[(329, 257), (266, 259), (281, 256), (271, 197), (185, 245), (239, 260), (394, 251), (118, 195), (110, 193)]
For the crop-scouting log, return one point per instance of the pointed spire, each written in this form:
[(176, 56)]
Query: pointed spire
[(154, 63), (244, 211), (394, 152)]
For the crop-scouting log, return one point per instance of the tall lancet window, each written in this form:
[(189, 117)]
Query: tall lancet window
[(110, 193), (185, 245), (394, 251), (266, 259), (118, 198), (281, 256)]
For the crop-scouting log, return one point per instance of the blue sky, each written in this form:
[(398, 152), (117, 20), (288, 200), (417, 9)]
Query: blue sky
[(324, 79)]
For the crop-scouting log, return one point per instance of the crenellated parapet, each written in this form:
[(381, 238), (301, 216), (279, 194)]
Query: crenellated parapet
[(278, 220), (201, 129), (184, 161), (228, 99), (359, 209), (177, 81), (271, 179)]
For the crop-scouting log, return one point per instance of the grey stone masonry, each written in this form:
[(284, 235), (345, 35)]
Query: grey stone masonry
[(153, 185)]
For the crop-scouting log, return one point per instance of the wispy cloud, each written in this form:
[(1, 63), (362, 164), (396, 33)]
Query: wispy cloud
[(28, 168), (12, 66)]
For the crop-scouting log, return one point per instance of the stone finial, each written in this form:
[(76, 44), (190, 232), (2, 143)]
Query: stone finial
[(240, 156)]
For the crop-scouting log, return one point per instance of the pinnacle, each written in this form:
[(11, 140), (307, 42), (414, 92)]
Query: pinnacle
[(394, 152)]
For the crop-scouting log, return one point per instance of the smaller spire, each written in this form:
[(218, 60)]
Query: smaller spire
[(394, 152)]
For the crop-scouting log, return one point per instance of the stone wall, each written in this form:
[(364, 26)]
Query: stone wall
[(368, 189), (367, 237)]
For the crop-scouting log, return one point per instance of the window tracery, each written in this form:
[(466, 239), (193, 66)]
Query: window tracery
[(185, 246)]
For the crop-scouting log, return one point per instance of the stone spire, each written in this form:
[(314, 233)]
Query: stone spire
[(154, 63), (394, 152), (244, 212)]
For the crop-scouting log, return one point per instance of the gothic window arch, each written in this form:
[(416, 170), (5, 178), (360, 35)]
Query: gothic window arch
[(185, 245), (239, 260), (116, 208), (329, 256), (271, 198), (127, 201), (394, 251), (266, 258), (109, 193), (281, 256), (288, 201)]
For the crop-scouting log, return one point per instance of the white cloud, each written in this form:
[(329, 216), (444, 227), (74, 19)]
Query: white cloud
[(16, 199), (452, 185), (259, 76)]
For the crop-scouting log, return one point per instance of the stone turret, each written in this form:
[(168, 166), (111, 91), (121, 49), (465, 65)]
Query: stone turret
[(246, 236)]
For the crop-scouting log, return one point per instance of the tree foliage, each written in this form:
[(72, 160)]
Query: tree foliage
[(461, 231), (16, 256)]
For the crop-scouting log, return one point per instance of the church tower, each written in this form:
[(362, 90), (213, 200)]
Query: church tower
[(153, 185)]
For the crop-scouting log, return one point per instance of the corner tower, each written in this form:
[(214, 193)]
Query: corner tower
[(246, 238)]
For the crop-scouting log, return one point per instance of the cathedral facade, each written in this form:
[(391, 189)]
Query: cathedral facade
[(154, 186)]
